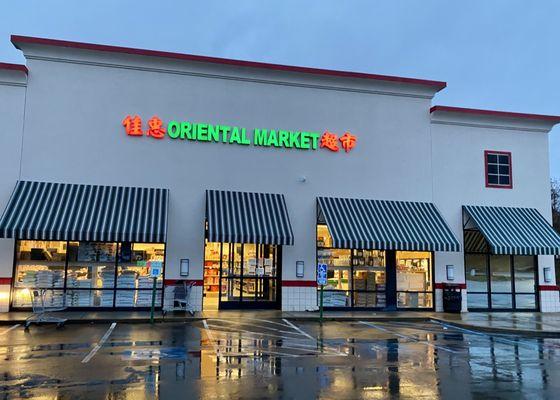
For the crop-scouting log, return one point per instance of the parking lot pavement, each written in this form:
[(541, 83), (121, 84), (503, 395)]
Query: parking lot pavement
[(277, 358)]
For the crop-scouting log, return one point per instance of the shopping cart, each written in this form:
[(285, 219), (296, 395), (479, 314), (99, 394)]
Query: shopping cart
[(42, 311), (181, 298)]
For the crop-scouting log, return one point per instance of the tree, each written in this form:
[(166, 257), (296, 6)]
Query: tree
[(555, 198)]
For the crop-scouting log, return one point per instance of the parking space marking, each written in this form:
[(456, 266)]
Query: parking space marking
[(225, 321), (251, 346), (298, 329), (99, 344), (488, 335), (264, 320), (256, 350), (211, 338), (408, 337), (291, 341), (234, 330), (267, 340), (9, 329)]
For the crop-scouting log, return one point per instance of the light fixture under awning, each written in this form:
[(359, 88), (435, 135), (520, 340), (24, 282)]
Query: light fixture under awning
[(242, 217), (386, 225), (514, 230), (62, 211)]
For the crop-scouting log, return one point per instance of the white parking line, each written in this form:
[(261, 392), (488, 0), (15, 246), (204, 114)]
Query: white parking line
[(298, 329), (265, 334), (408, 337), (211, 338), (248, 338), (292, 344), (99, 344), (225, 353), (9, 329), (488, 335), (226, 321), (263, 320)]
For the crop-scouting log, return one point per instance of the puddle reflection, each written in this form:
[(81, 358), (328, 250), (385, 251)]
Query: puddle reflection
[(396, 362)]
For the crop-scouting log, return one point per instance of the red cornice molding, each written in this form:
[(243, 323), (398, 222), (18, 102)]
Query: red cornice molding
[(491, 113), (14, 67), (16, 39)]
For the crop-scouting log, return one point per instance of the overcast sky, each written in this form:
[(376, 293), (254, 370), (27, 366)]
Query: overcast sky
[(495, 54)]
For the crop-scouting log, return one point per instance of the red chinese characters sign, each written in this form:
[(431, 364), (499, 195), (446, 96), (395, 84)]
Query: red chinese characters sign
[(330, 141)]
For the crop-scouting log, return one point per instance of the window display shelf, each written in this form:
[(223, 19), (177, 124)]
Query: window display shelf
[(28, 263)]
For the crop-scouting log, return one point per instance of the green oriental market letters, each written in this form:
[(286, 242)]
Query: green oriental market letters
[(236, 135)]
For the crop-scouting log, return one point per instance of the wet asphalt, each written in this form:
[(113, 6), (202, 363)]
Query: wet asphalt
[(268, 359)]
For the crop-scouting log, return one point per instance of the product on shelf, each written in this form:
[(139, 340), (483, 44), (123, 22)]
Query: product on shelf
[(105, 298), (126, 280), (107, 277), (334, 299)]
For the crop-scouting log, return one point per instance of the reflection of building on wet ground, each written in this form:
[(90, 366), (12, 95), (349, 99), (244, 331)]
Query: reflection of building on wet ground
[(408, 359), (238, 178)]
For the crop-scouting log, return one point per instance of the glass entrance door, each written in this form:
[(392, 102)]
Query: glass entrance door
[(248, 274)]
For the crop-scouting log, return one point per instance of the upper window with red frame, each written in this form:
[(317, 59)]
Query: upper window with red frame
[(498, 169)]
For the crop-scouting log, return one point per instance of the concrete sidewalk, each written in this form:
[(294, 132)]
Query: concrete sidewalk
[(528, 324)]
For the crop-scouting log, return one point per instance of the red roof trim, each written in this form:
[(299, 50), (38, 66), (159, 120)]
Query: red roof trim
[(225, 61), (503, 114), (14, 67)]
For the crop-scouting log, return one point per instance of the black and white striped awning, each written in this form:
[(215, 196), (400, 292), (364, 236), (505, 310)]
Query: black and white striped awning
[(514, 230), (61, 211), (241, 217), (386, 225)]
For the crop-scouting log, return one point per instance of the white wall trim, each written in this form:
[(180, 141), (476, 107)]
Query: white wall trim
[(488, 126), (227, 77)]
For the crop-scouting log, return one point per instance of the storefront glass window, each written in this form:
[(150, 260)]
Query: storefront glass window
[(355, 278), (369, 278), (133, 274), (91, 265), (525, 301), (477, 278), (477, 300), (40, 265), (338, 287), (511, 280), (414, 279), (524, 272), (500, 274), (85, 272)]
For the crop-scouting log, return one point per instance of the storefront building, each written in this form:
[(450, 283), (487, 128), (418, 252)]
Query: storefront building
[(240, 177)]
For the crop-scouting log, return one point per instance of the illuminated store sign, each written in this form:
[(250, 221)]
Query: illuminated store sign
[(202, 132)]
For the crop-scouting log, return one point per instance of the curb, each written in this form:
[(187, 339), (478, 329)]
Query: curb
[(236, 317)]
